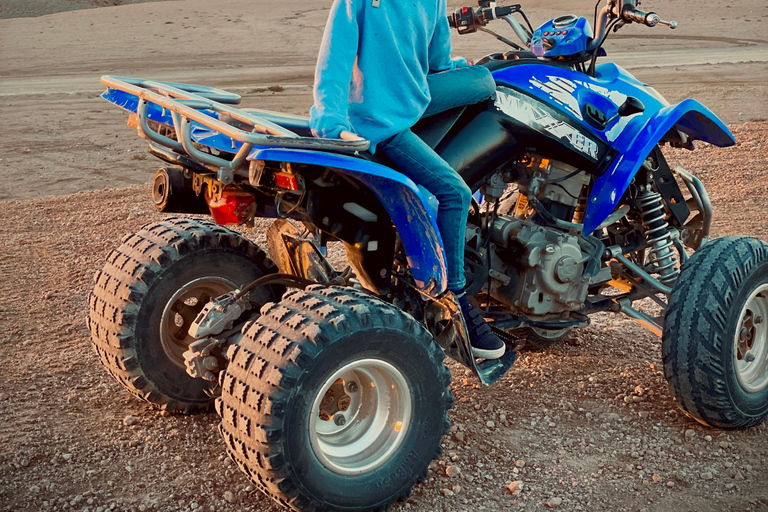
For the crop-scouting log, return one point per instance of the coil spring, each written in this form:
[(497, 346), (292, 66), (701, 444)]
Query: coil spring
[(581, 206), (662, 255)]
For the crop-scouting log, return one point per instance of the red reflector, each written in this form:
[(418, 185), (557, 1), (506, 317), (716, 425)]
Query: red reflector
[(234, 207), (286, 180), (464, 10)]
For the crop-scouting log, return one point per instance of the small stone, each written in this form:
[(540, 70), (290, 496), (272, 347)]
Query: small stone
[(670, 484), (447, 492), (724, 445), (193, 505), (459, 437), (229, 497), (130, 420), (738, 476), (708, 439), (520, 464), (707, 475), (453, 471), (3, 397), (690, 433), (456, 489), (644, 415), (129, 469), (656, 478), (729, 486), (515, 487), (67, 456), (34, 488), (490, 424), (554, 502), (503, 418)]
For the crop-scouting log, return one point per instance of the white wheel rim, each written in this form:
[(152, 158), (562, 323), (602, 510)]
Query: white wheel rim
[(371, 410), (750, 342), (549, 334)]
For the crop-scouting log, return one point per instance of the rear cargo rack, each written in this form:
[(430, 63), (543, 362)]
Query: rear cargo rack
[(209, 107)]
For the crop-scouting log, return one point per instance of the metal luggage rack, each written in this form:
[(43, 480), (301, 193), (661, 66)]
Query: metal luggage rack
[(212, 108)]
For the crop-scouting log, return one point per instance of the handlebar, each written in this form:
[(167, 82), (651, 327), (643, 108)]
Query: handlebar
[(466, 19), (649, 19)]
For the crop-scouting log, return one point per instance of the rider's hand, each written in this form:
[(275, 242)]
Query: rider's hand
[(470, 62), (345, 135)]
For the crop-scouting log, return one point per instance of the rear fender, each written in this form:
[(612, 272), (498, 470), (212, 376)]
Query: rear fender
[(689, 117), (408, 208)]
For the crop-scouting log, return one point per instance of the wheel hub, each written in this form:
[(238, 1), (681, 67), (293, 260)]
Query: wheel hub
[(182, 309), (360, 417), (751, 342)]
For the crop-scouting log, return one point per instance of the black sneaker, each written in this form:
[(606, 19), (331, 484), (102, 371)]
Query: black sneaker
[(485, 344)]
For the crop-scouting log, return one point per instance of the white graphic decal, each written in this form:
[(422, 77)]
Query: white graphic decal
[(560, 90), (514, 105)]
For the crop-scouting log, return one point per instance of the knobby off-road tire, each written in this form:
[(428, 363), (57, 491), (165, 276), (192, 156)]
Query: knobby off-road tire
[(279, 423), (711, 321), (148, 293), (536, 339)]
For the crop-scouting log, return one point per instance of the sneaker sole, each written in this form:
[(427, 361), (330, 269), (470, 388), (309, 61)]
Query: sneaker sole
[(488, 353)]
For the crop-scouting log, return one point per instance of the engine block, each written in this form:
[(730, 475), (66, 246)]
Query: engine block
[(545, 268)]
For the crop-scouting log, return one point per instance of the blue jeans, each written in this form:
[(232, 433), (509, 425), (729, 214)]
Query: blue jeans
[(414, 158)]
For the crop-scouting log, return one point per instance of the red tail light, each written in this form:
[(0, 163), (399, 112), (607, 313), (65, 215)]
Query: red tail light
[(233, 208)]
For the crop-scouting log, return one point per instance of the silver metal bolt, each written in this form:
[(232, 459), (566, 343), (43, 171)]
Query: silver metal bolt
[(758, 320), (352, 386), (340, 420), (750, 357), (744, 334)]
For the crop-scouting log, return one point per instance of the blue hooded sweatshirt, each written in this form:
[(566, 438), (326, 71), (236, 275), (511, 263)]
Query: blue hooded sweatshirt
[(371, 75)]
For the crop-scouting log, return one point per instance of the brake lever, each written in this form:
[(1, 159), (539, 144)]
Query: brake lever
[(653, 19)]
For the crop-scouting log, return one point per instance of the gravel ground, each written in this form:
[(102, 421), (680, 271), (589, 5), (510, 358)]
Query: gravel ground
[(587, 425)]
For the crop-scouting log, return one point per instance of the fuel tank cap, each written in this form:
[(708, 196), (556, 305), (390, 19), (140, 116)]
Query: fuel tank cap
[(565, 21)]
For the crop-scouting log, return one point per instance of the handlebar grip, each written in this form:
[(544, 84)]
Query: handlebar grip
[(452, 21), (637, 16), (494, 13)]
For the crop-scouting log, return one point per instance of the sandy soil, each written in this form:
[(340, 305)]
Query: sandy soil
[(564, 423)]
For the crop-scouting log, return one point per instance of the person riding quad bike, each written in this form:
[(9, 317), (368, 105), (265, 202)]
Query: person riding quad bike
[(376, 77)]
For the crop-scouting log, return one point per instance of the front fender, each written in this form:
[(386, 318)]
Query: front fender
[(689, 116), (401, 198)]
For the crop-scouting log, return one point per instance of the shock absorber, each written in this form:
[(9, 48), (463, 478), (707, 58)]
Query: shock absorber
[(581, 206), (662, 256)]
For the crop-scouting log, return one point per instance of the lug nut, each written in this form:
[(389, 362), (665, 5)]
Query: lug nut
[(758, 320), (749, 357), (352, 386), (340, 420)]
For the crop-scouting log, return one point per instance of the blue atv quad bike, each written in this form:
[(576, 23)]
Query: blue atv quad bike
[(333, 395)]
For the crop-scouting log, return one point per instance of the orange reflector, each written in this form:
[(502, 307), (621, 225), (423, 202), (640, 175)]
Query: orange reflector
[(398, 426), (286, 180), (373, 385)]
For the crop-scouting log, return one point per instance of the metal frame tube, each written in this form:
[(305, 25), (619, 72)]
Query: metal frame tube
[(264, 132), (701, 197)]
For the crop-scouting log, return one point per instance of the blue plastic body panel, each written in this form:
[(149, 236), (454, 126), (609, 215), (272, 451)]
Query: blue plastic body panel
[(569, 39), (632, 136), (408, 208)]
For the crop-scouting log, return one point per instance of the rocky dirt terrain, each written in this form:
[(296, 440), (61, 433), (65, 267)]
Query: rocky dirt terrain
[(587, 425)]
